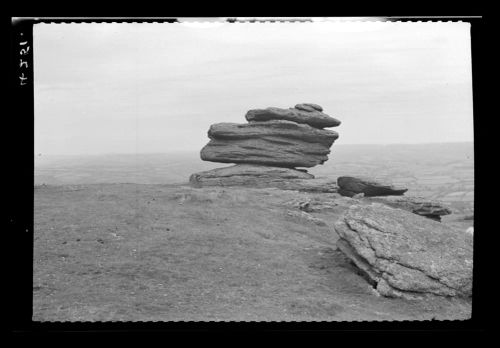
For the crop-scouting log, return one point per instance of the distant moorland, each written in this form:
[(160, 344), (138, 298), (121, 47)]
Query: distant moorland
[(438, 171)]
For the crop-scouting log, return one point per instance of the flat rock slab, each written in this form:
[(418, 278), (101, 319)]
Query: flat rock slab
[(316, 185), (417, 205), (302, 113), (274, 128), (308, 107), (255, 176), (274, 143), (406, 255), (350, 186)]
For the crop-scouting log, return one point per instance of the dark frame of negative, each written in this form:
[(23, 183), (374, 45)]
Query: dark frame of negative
[(21, 200)]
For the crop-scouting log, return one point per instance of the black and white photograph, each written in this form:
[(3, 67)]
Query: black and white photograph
[(253, 171)]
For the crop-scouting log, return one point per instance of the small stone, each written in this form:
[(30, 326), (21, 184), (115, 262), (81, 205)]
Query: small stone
[(308, 107), (305, 217), (304, 107), (417, 205)]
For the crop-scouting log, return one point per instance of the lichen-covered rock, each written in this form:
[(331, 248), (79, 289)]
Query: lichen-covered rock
[(349, 186), (274, 143), (417, 205), (302, 113), (406, 255)]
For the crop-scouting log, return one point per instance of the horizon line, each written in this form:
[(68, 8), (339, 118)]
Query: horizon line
[(174, 151)]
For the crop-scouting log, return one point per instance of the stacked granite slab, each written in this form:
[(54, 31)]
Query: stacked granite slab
[(270, 148)]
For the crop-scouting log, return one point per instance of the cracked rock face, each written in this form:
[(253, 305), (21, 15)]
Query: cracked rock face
[(306, 113), (349, 186), (275, 143), (405, 255), (417, 205)]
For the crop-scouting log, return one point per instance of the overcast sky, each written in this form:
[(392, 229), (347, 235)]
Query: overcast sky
[(126, 88)]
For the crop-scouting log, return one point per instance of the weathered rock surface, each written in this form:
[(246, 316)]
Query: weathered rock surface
[(286, 138), (288, 154), (302, 113), (275, 128), (308, 107), (262, 176), (318, 185), (246, 175), (276, 143), (305, 107), (350, 186), (405, 255), (417, 205)]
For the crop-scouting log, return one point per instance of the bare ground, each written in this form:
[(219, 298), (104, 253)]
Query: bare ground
[(167, 252)]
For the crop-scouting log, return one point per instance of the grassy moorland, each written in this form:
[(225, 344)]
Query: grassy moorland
[(171, 252)]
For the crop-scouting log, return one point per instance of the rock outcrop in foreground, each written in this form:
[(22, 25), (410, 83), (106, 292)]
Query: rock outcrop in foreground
[(268, 149), (235, 254), (417, 205), (350, 186), (371, 190), (405, 255)]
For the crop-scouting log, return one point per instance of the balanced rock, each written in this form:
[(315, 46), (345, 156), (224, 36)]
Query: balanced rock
[(405, 255), (276, 143), (417, 205), (350, 186), (256, 176), (268, 149), (302, 113)]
